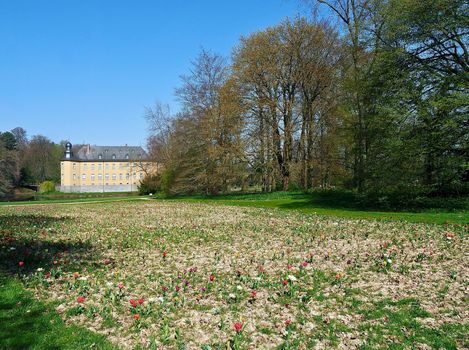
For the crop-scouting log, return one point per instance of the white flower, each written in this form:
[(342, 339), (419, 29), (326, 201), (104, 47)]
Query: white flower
[(12, 248), (232, 296), (292, 278), (83, 278), (161, 299), (239, 288), (109, 284), (39, 269), (389, 261)]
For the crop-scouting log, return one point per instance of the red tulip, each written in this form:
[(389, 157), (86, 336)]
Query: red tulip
[(253, 294), (165, 254), (285, 282), (21, 263), (141, 301), (305, 263), (133, 302), (55, 262), (120, 285), (212, 278), (238, 326), (136, 317), (287, 322), (81, 299)]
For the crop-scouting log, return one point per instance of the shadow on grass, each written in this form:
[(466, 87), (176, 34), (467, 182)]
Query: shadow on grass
[(28, 242), (348, 200)]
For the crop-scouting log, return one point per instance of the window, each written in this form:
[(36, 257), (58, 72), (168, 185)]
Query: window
[(74, 177), (107, 165), (141, 175), (74, 166), (92, 166), (127, 176), (113, 165), (126, 156), (100, 177), (83, 177), (100, 166), (120, 166), (100, 156), (114, 177), (107, 177), (85, 166), (120, 176), (92, 177), (135, 176), (113, 156)]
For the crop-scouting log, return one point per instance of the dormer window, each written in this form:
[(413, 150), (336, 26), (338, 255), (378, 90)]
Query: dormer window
[(126, 156), (100, 156), (113, 156)]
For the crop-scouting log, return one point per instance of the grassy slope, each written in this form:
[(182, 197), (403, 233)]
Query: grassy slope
[(335, 204), (26, 323)]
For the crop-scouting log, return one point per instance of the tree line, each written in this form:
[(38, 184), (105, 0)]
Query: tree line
[(374, 100), (27, 161)]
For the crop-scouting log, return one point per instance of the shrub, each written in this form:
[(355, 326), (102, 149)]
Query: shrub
[(47, 186), (150, 184)]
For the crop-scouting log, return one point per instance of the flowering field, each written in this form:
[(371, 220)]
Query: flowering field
[(196, 276)]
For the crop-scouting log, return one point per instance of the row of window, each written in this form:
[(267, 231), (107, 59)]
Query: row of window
[(100, 156), (107, 166), (114, 176), (107, 184)]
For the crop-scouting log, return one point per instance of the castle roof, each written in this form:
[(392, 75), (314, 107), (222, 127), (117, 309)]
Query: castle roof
[(110, 153)]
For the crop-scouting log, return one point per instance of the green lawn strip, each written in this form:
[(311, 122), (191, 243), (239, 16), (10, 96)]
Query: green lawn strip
[(26, 323), (303, 205), (66, 201)]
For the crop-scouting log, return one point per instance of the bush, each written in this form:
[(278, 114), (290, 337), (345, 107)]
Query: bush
[(47, 186), (150, 184)]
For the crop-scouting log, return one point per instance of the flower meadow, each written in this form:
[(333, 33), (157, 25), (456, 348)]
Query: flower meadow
[(173, 275)]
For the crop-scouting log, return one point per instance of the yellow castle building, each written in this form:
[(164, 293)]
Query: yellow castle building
[(104, 168)]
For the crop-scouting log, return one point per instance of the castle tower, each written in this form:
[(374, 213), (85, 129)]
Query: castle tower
[(68, 151)]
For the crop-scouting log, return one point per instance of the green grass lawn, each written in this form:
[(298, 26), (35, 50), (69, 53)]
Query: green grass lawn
[(166, 274), (26, 323), (75, 200), (332, 203), (335, 203)]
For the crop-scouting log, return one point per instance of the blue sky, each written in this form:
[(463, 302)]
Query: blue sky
[(83, 70)]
